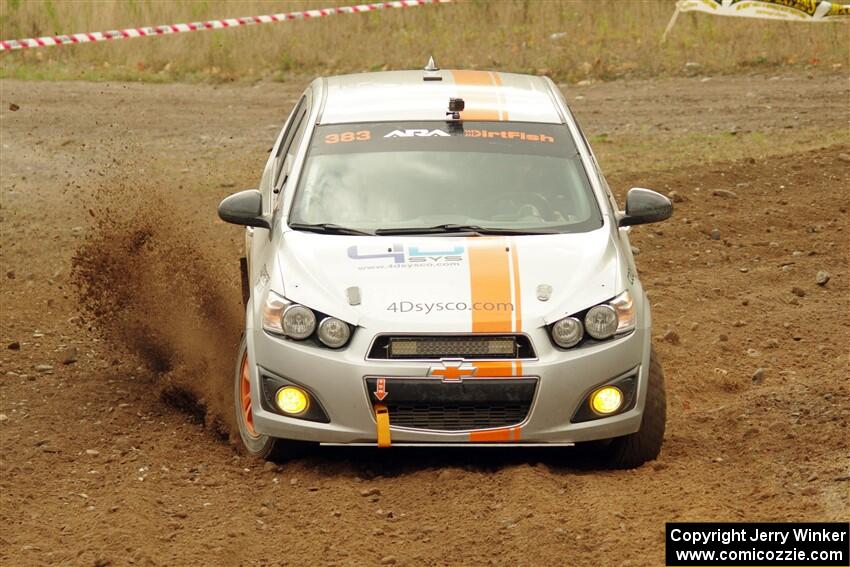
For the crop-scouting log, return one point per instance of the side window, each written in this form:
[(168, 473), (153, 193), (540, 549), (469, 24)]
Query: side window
[(611, 200), (289, 148), (289, 127)]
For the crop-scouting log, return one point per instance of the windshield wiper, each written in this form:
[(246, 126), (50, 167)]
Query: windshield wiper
[(464, 228), (328, 228)]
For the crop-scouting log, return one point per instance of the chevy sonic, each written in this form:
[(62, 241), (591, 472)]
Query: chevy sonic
[(434, 258)]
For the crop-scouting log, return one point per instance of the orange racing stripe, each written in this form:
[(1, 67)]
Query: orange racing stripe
[(495, 435), (517, 297), (495, 279), (515, 268), (489, 275), (480, 92), (495, 369)]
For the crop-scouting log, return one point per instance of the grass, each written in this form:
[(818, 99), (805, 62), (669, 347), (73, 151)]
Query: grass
[(659, 152), (570, 40)]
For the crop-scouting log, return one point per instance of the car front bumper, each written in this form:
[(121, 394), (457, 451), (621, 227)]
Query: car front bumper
[(338, 381)]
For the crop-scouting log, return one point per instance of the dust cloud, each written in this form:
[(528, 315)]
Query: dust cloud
[(152, 286)]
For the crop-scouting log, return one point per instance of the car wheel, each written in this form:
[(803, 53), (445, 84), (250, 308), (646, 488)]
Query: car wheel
[(255, 444), (633, 450)]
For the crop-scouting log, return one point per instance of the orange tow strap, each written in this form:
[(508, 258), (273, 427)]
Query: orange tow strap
[(382, 418)]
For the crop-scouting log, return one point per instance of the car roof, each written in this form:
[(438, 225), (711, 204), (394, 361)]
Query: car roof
[(407, 96)]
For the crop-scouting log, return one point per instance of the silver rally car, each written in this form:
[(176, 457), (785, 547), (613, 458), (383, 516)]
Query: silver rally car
[(434, 258)]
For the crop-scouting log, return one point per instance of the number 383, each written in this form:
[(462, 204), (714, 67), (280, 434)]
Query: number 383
[(359, 136)]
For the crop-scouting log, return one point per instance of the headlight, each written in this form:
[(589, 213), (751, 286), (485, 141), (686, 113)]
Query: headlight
[(625, 308), (283, 317), (273, 309), (567, 332), (333, 332), (616, 317), (601, 321), (299, 322)]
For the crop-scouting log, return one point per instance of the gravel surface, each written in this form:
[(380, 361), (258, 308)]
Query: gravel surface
[(121, 314)]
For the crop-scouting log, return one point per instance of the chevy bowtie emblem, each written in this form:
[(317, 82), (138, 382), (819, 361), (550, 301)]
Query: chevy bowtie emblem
[(452, 370)]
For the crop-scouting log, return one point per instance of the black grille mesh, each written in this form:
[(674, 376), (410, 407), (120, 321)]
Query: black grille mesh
[(457, 417)]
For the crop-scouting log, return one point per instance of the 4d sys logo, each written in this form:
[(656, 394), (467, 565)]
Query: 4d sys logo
[(411, 255)]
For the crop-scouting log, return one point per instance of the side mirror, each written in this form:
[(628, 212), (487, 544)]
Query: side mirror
[(645, 206), (245, 208)]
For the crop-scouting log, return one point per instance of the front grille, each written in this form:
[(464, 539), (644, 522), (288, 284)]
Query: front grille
[(475, 403), (435, 347), (456, 417)]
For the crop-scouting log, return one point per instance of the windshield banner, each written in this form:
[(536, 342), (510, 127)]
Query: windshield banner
[(513, 138)]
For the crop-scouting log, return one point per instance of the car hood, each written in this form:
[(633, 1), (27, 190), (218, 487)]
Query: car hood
[(450, 284)]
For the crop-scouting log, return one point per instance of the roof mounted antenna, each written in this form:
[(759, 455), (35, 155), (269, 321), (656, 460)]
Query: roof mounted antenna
[(431, 71)]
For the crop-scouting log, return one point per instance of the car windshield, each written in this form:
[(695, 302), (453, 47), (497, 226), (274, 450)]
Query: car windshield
[(442, 177)]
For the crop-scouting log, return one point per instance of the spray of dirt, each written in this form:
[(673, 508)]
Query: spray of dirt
[(154, 286)]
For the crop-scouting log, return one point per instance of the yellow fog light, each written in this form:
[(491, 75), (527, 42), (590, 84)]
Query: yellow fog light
[(606, 400), (292, 400)]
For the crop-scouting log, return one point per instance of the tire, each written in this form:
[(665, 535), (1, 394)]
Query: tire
[(633, 450), (253, 443)]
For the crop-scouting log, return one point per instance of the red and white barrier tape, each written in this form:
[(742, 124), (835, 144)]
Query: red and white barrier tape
[(209, 25)]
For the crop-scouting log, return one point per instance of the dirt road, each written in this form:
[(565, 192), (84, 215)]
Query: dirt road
[(120, 312)]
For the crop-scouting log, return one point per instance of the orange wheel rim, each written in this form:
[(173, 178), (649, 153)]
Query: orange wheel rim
[(245, 398)]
